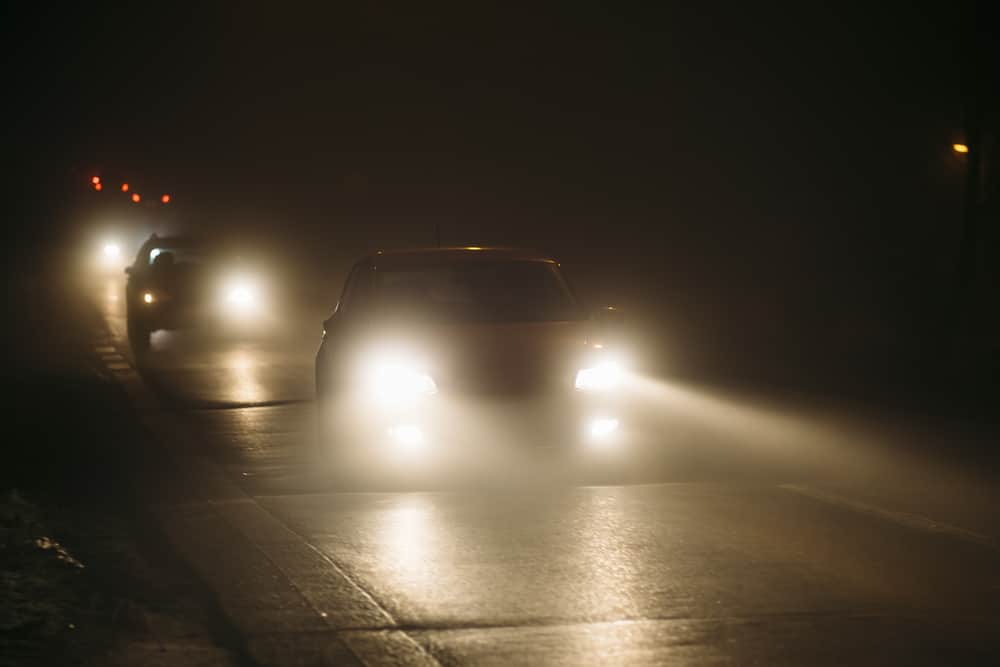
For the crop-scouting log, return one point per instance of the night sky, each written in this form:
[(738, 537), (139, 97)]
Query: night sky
[(760, 159)]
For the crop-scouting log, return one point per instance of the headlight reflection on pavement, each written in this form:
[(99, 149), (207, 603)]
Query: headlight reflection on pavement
[(242, 367), (405, 533)]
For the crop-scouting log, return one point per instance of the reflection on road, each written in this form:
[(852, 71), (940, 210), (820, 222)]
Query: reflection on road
[(111, 289), (606, 547), (240, 365), (408, 541)]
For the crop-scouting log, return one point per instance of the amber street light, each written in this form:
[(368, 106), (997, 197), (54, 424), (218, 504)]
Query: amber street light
[(960, 148)]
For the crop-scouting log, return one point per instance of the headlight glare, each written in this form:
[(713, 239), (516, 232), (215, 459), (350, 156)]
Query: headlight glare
[(241, 295), (407, 436), (393, 381), (604, 376)]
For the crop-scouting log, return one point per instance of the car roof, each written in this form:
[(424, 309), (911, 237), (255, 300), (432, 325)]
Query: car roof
[(428, 256)]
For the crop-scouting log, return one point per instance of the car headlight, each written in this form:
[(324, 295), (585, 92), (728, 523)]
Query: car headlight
[(241, 297), (148, 297), (605, 376), (393, 381), (109, 254)]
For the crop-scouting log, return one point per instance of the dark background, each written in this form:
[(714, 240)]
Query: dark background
[(769, 190)]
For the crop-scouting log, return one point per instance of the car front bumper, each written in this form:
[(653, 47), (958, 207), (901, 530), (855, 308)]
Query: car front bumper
[(440, 430)]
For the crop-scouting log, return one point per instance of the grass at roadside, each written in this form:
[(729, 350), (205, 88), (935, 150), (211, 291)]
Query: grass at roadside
[(84, 578), (41, 588)]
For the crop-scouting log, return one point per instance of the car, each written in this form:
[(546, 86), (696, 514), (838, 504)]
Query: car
[(441, 354), (184, 281)]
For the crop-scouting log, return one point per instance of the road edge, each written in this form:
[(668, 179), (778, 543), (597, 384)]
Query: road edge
[(257, 568)]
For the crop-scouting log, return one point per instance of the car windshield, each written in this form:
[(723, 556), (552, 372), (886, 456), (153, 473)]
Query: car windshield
[(502, 291)]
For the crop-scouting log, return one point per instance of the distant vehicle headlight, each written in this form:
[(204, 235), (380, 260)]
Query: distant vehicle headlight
[(605, 376), (241, 297), (397, 380), (148, 297), (108, 255)]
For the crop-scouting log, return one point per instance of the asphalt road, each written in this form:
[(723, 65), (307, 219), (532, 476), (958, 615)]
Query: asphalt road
[(758, 531)]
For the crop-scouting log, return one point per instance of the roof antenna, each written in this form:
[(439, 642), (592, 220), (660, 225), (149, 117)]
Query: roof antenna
[(437, 234)]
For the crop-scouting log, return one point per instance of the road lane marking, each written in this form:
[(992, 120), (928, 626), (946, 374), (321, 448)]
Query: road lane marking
[(907, 519), (119, 366)]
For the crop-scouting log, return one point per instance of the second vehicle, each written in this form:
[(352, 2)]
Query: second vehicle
[(180, 281)]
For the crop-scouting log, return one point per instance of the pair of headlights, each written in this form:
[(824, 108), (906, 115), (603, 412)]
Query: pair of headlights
[(396, 381)]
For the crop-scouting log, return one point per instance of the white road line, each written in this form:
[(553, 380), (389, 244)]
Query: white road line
[(914, 521)]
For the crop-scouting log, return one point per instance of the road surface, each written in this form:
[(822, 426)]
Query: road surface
[(759, 532)]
